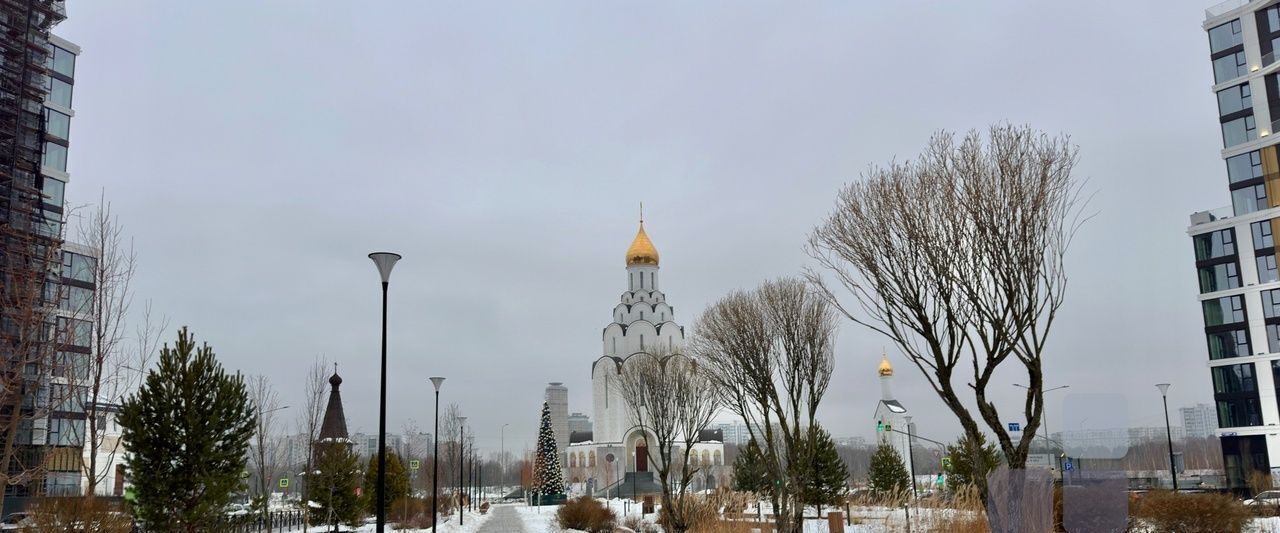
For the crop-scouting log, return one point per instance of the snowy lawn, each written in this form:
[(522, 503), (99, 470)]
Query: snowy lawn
[(473, 521)]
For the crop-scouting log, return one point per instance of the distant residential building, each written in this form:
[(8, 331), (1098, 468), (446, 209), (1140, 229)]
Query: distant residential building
[(557, 396), (579, 423), (1111, 442), (1200, 421), (734, 432)]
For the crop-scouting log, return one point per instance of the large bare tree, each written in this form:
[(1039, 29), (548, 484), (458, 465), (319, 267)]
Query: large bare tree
[(671, 400), (115, 367), (769, 354), (266, 447), (957, 258), (315, 398)]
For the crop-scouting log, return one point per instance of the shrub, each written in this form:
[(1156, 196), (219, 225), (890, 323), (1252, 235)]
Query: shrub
[(640, 525), (1165, 511), (586, 514), (413, 512), (75, 514), (484, 508)]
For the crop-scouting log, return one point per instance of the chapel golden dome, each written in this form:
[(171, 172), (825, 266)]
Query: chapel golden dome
[(886, 369), (642, 251)]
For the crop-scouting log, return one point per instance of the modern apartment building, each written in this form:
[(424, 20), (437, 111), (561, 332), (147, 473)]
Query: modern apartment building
[(557, 396), (42, 373), (1235, 246), (579, 423), (1199, 421)]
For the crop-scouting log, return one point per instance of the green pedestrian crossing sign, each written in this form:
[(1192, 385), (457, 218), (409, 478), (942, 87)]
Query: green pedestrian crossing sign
[(414, 464), (284, 483), (946, 463)]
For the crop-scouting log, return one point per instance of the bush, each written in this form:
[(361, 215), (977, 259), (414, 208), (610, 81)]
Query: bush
[(1165, 511), (640, 525), (586, 514), (413, 512), (75, 514)]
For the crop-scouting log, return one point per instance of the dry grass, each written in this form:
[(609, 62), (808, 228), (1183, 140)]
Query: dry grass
[(75, 514), (1165, 511), (587, 514)]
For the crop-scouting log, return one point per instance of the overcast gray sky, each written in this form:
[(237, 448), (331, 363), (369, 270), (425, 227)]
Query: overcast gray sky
[(257, 151)]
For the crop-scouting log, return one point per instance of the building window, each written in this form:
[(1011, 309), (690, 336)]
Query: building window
[(64, 62), (1215, 244), (1249, 199), (1244, 167), (641, 341), (1234, 378), (1219, 277), (57, 124), (1267, 268), (60, 92), (1239, 131), (76, 299), (1234, 99), (1225, 36), (55, 156), (1242, 412), (1271, 305), (1222, 311), (1262, 237), (53, 191), (1228, 67), (78, 267), (1228, 344), (75, 332)]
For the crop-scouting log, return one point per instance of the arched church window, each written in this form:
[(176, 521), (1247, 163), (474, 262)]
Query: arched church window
[(642, 341), (651, 279), (719, 459), (573, 460), (706, 457), (615, 345), (642, 280), (592, 459), (631, 280), (669, 344), (642, 315), (693, 459)]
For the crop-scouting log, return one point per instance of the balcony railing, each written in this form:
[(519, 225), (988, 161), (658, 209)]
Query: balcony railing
[(1223, 7), (1205, 217)]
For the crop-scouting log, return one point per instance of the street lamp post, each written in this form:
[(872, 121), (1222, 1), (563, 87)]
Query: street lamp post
[(462, 461), (502, 460), (911, 459), (1168, 433), (435, 459), (385, 261), (1044, 415)]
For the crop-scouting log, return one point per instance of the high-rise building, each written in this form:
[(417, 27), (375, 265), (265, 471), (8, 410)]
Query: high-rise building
[(1199, 421), (48, 284), (579, 423), (1235, 246), (557, 396)]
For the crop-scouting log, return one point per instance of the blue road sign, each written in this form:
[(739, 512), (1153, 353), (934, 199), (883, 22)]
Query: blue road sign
[(1014, 426), (1067, 466)]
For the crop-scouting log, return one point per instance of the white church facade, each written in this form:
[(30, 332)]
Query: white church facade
[(642, 324), (891, 416)]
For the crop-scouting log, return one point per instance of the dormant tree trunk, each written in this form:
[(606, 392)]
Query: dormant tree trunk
[(315, 399), (769, 354), (671, 400), (957, 258), (266, 447)]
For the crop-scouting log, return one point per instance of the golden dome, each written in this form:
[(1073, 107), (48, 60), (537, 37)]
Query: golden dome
[(642, 251), (886, 369)]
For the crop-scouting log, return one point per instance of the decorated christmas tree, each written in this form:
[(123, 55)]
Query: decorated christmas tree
[(548, 478)]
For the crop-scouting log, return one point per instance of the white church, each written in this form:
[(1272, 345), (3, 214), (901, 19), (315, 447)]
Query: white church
[(891, 416), (612, 458)]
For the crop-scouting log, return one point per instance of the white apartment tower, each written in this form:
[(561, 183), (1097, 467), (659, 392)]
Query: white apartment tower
[(1235, 246), (557, 396)]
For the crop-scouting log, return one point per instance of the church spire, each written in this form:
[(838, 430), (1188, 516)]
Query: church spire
[(642, 251)]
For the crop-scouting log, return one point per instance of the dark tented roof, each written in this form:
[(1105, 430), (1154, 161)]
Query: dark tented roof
[(334, 426)]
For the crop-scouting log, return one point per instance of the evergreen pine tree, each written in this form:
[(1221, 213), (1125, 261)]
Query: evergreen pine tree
[(749, 474), (333, 487), (888, 474), (397, 482), (548, 477), (971, 461), (188, 429), (828, 482)]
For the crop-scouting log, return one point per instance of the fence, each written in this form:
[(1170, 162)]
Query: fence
[(256, 523)]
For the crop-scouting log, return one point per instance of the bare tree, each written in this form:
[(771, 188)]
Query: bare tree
[(769, 354), (671, 400), (266, 447), (114, 368), (315, 398), (957, 257)]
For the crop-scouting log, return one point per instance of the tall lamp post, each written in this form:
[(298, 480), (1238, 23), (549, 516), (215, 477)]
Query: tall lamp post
[(1044, 415), (1168, 433), (462, 461), (911, 458), (502, 459), (385, 261), (435, 459)]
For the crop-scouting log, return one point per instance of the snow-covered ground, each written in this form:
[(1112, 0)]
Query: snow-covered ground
[(472, 522)]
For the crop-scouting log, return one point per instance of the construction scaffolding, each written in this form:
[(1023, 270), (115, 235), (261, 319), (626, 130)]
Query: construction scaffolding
[(30, 233)]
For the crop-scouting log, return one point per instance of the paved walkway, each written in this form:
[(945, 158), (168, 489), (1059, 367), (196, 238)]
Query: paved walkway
[(505, 519)]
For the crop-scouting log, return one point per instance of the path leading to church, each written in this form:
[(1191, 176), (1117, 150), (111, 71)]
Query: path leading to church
[(505, 519)]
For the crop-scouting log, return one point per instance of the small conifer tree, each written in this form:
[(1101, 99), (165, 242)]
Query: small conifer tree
[(749, 474), (887, 474), (397, 482), (828, 482), (333, 485)]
